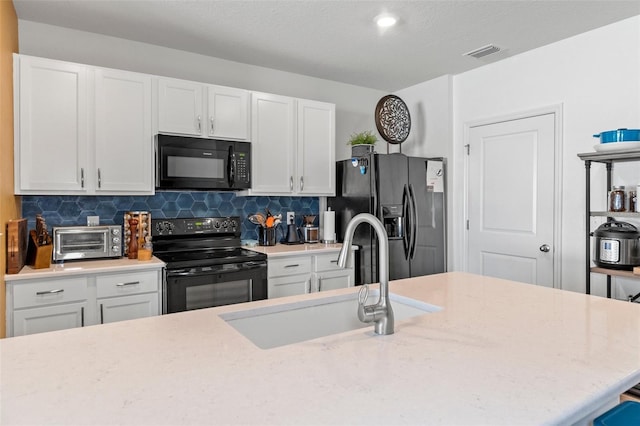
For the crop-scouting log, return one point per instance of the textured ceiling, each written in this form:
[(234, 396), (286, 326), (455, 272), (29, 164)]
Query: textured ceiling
[(337, 40)]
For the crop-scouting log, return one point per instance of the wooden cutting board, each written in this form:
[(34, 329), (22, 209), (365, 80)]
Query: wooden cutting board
[(16, 245)]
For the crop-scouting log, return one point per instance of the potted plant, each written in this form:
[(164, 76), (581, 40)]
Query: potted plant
[(362, 143)]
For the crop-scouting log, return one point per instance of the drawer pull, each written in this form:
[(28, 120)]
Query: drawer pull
[(42, 293), (129, 283), (82, 316), (334, 261), (292, 266), (101, 313)]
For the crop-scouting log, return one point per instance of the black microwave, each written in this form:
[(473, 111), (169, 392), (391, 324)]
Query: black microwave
[(202, 164)]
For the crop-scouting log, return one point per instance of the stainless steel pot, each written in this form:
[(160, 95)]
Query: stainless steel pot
[(616, 245)]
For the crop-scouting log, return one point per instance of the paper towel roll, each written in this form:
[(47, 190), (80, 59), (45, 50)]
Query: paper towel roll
[(329, 226)]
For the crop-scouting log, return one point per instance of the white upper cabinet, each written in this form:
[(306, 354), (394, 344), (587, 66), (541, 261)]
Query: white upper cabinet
[(180, 107), (123, 132), (202, 110), (228, 113), (81, 129), (316, 148), (272, 127), (293, 146), (51, 123)]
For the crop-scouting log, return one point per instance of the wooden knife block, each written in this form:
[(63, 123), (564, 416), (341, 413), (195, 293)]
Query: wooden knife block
[(38, 256)]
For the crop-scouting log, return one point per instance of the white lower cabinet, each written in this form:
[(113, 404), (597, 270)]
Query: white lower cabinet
[(48, 318), (307, 273), (127, 296), (49, 304), (127, 307)]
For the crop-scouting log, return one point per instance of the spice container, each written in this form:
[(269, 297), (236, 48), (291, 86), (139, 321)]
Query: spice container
[(143, 230), (617, 199), (633, 201)]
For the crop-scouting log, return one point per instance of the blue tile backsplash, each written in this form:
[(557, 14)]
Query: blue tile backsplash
[(73, 210)]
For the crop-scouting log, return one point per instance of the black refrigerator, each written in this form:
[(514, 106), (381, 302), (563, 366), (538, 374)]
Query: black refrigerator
[(408, 195)]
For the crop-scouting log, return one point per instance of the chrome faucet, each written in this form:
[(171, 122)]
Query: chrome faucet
[(381, 312)]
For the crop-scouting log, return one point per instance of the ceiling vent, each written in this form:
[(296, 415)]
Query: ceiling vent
[(483, 51)]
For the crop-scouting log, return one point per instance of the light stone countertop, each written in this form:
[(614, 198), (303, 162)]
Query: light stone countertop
[(79, 267), (293, 249), (498, 353)]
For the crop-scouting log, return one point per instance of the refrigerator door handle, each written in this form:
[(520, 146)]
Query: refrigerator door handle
[(414, 222), (406, 214)]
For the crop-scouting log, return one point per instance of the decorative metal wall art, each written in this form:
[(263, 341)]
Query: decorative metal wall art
[(393, 120)]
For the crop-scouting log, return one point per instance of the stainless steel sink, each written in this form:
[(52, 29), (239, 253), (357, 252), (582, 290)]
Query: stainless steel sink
[(273, 326)]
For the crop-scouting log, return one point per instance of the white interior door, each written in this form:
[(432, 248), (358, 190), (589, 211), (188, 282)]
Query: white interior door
[(511, 199)]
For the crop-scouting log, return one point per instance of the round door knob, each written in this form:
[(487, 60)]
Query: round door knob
[(545, 248)]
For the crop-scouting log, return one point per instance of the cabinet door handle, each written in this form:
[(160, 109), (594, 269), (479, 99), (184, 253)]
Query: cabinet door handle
[(301, 183), (319, 283), (308, 285), (334, 261), (128, 283), (199, 125), (99, 178), (41, 293), (81, 177), (292, 266), (101, 314), (82, 316), (211, 121), (291, 183)]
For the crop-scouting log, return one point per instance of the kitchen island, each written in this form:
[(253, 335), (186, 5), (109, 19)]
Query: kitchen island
[(498, 352)]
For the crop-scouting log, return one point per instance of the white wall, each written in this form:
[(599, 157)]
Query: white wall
[(355, 105), (596, 78)]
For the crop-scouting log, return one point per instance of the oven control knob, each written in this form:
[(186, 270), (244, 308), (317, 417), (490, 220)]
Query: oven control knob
[(225, 224), (115, 231), (115, 240), (216, 224), (115, 249), (234, 224)]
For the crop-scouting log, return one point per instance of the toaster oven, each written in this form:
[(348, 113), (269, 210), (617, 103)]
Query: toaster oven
[(86, 242)]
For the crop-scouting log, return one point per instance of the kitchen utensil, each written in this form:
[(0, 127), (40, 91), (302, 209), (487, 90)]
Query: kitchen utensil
[(619, 135), (293, 235), (616, 146), (393, 120), (257, 219), (617, 245), (309, 219)]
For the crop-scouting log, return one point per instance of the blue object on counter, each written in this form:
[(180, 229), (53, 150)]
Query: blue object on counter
[(625, 414), (620, 135)]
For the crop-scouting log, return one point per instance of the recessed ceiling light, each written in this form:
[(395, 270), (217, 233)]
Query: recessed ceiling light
[(385, 20)]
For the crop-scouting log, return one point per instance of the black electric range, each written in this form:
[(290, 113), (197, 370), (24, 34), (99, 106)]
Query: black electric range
[(206, 266)]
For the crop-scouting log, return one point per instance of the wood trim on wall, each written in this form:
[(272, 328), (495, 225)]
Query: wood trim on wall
[(9, 204)]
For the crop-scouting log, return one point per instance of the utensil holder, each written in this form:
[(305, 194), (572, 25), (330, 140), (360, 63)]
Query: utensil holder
[(266, 236), (39, 256)]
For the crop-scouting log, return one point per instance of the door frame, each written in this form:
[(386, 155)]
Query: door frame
[(557, 111)]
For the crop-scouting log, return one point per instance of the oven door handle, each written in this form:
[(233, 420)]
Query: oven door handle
[(240, 267)]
